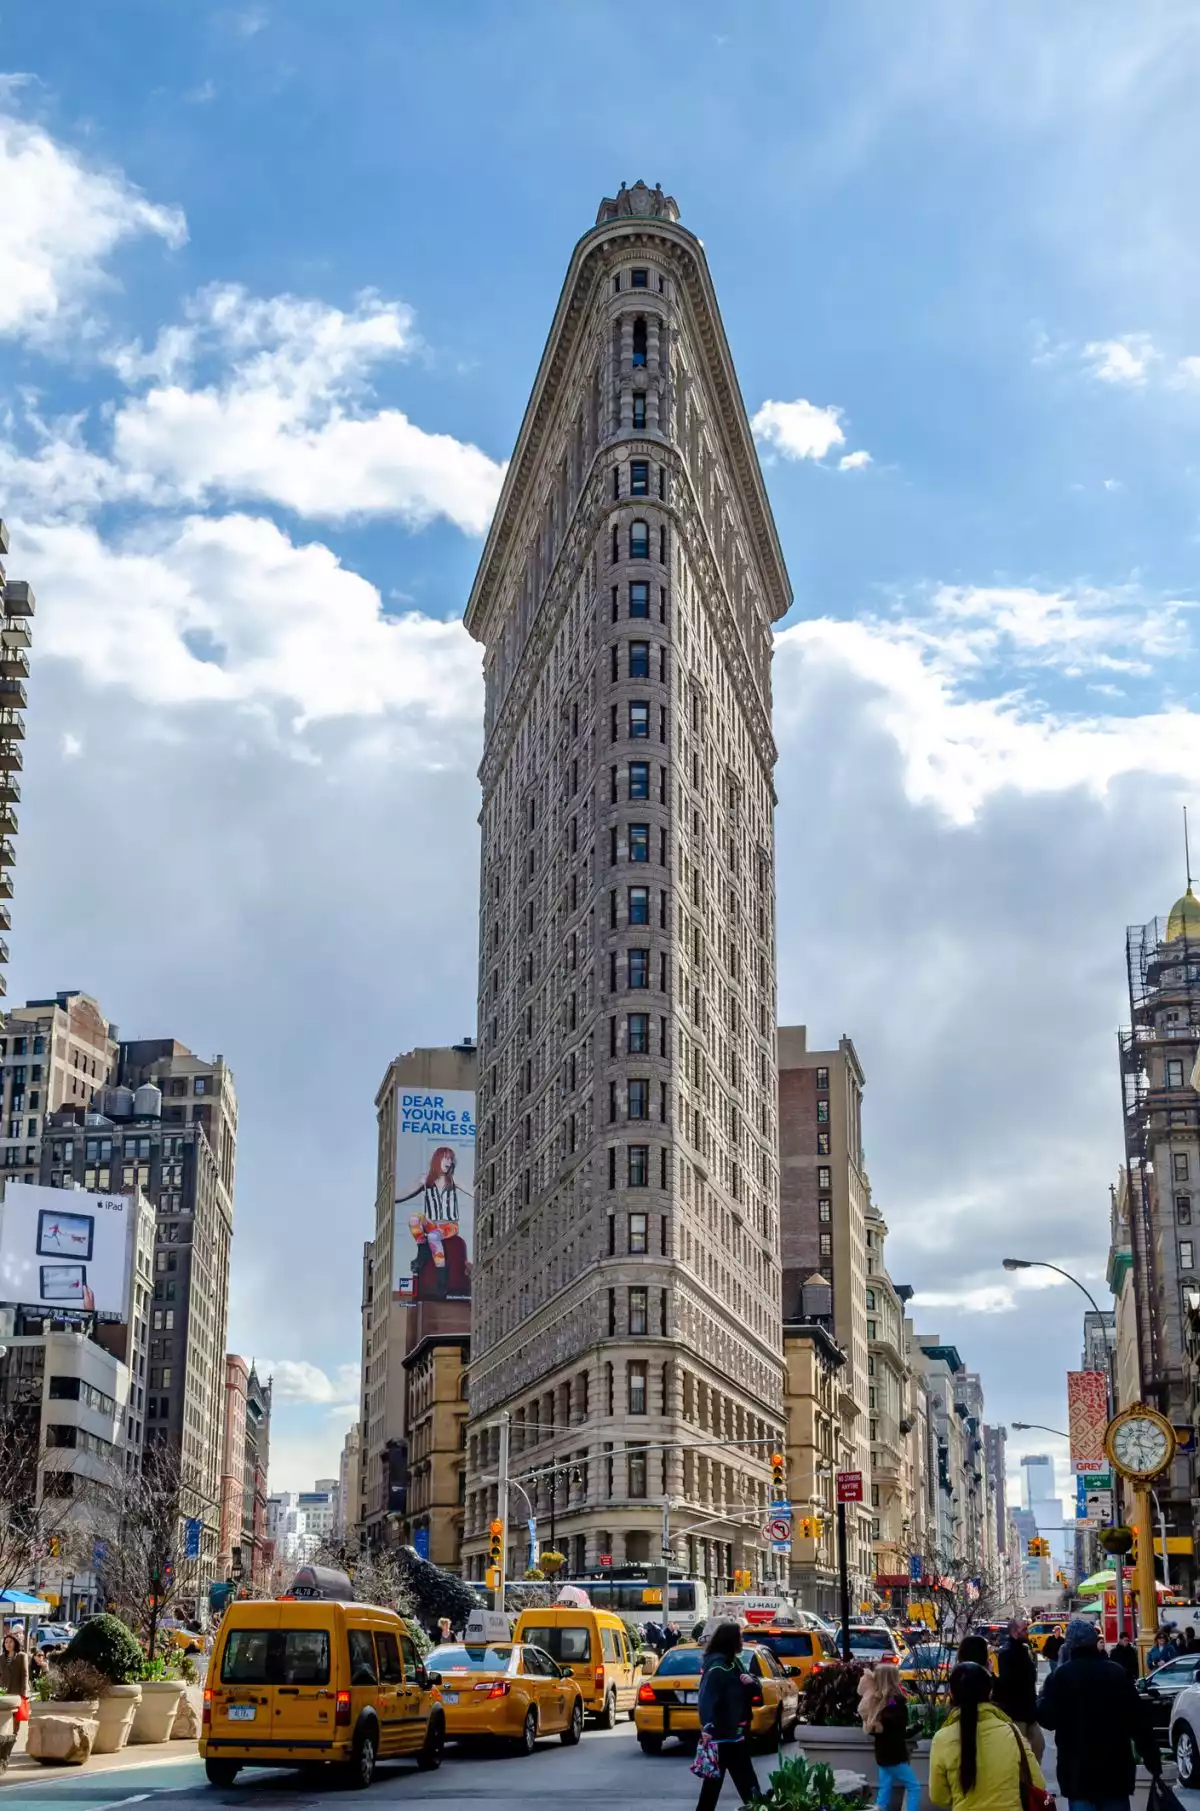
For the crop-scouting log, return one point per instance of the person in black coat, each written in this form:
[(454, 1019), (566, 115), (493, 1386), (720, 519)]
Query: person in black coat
[(1016, 1684), (1098, 1720), (1125, 1655), (724, 1705)]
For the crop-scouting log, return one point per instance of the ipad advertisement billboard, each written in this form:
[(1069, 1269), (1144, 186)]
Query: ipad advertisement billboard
[(64, 1249), (435, 1197)]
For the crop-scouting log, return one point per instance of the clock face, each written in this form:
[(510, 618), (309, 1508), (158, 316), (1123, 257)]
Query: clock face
[(1141, 1445)]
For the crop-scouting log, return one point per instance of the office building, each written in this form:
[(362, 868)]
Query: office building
[(435, 1373), (56, 1053), (824, 1196), (626, 1277), (818, 1444), (349, 1468), (233, 1461), (995, 1456), (1162, 1161), (17, 599), (893, 1475), (416, 1272), (253, 1558)]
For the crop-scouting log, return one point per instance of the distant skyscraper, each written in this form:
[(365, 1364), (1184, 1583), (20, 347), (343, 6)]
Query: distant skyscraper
[(15, 637), (1037, 1479), (626, 1281)]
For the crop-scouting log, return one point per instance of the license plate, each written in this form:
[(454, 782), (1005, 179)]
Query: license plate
[(242, 1713), (449, 1697), (687, 1697)]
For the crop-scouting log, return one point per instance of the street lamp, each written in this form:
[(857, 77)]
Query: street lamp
[(1041, 1264), (1025, 1427)]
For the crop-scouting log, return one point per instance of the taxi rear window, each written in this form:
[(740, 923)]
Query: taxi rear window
[(874, 1641), (470, 1659), (276, 1657), (789, 1647), (568, 1645), (679, 1660)]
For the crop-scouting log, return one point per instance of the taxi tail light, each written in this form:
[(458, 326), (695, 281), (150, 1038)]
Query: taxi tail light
[(501, 1689), (599, 1679), (206, 1713), (756, 1696), (646, 1694), (341, 1713)]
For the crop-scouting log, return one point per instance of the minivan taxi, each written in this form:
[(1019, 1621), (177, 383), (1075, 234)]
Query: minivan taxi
[(293, 1683), (800, 1652), (593, 1645)]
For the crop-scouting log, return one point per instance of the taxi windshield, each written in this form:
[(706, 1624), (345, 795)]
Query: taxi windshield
[(678, 1660), (465, 1659)]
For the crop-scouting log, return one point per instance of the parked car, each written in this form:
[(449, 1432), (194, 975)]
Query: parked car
[(1160, 1689), (874, 1642), (1184, 1733)]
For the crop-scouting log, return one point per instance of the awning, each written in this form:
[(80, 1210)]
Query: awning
[(19, 1603)]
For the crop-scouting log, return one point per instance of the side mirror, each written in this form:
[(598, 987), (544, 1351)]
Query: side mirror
[(433, 1678)]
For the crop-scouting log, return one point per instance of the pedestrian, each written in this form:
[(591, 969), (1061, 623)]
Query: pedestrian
[(1016, 1684), (1190, 1644), (445, 1629), (1098, 1720), (973, 1650), (975, 1757), (1052, 1647), (1125, 1655), (1163, 1650), (14, 1673), (724, 1705), (883, 1710), (670, 1637)]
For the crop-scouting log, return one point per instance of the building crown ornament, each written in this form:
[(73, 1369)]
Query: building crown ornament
[(639, 203)]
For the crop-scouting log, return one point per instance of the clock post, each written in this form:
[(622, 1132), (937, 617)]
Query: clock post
[(1140, 1444)]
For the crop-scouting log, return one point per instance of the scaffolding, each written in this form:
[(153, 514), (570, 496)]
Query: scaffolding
[(1158, 1049)]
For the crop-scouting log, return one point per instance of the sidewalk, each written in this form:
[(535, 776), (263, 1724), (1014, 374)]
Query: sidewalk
[(143, 1754)]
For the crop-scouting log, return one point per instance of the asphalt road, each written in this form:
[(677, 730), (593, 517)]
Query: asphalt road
[(607, 1772)]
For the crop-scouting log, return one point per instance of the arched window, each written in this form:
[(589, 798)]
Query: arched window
[(639, 341), (639, 541)]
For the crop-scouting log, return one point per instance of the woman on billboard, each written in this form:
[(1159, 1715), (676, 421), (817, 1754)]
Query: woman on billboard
[(435, 1227)]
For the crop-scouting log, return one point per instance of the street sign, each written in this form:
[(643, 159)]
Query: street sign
[(781, 1507), (849, 1487), (191, 1537), (1090, 1467), (781, 1546), (421, 1543), (914, 1565), (779, 1528)]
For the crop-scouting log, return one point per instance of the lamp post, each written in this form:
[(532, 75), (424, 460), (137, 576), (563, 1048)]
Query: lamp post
[(1041, 1264), (1039, 1427)]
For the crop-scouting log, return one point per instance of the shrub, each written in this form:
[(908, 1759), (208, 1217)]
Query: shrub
[(163, 1666), (534, 1572), (106, 1644), (552, 1562), (74, 1682), (831, 1695), (802, 1785)]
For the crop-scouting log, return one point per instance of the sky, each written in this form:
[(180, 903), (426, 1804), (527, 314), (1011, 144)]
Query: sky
[(274, 282)]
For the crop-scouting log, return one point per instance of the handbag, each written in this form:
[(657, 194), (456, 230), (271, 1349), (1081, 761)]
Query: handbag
[(707, 1764), (21, 1714), (1161, 1797), (1033, 1798)]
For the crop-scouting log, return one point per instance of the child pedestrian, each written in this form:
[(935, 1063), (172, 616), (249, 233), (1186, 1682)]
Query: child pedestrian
[(883, 1709)]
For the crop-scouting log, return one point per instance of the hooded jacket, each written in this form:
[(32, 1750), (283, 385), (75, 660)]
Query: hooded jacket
[(1097, 1717), (997, 1764), (723, 1698), (1016, 1681)]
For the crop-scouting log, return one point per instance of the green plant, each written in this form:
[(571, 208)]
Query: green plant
[(75, 1682), (163, 1666), (534, 1572), (187, 1670), (803, 1785), (552, 1562), (105, 1643), (43, 1687), (831, 1695)]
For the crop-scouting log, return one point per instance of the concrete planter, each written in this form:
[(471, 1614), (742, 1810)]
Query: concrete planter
[(118, 1707), (851, 1749), (9, 1706), (156, 1713)]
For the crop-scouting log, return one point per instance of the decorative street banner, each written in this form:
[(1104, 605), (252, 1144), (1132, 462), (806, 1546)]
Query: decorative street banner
[(435, 1197), (1087, 1419)]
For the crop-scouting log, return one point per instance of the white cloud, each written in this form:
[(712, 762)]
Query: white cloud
[(284, 420), (988, 1299), (62, 220), (72, 746), (295, 1380), (229, 610), (1125, 360), (803, 430)]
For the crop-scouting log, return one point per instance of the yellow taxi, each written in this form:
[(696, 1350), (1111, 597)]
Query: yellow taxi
[(668, 1704), (293, 1683), (593, 1645), (1040, 1633), (508, 1691), (800, 1652)]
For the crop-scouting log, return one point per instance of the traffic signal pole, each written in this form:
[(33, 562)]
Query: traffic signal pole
[(843, 1581), (503, 1505)]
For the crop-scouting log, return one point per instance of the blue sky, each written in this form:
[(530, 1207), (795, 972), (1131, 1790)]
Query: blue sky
[(276, 281)]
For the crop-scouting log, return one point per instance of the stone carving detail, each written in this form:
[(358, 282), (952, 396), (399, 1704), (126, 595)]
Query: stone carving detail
[(638, 203)]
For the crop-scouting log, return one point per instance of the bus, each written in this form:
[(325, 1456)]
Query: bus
[(632, 1597)]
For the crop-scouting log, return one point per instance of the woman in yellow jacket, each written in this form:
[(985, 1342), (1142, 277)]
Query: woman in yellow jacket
[(975, 1758)]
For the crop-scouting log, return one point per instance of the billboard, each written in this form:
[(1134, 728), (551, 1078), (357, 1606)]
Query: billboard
[(435, 1197), (1087, 1419), (65, 1249)]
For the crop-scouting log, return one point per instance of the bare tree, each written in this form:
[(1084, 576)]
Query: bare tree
[(41, 1508), (142, 1553), (957, 1596)]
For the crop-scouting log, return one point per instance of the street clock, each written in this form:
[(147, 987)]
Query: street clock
[(1140, 1442)]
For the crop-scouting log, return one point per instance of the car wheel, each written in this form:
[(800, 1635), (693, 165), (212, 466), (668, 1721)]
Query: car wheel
[(608, 1716), (362, 1767), (574, 1729), (430, 1757), (220, 1773), (1185, 1755), (527, 1740), (650, 1744)]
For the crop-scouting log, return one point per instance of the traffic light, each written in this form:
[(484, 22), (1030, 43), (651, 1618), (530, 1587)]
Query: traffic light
[(496, 1547), (1038, 1547), (55, 1546), (818, 1527), (777, 1475), (742, 1579)]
